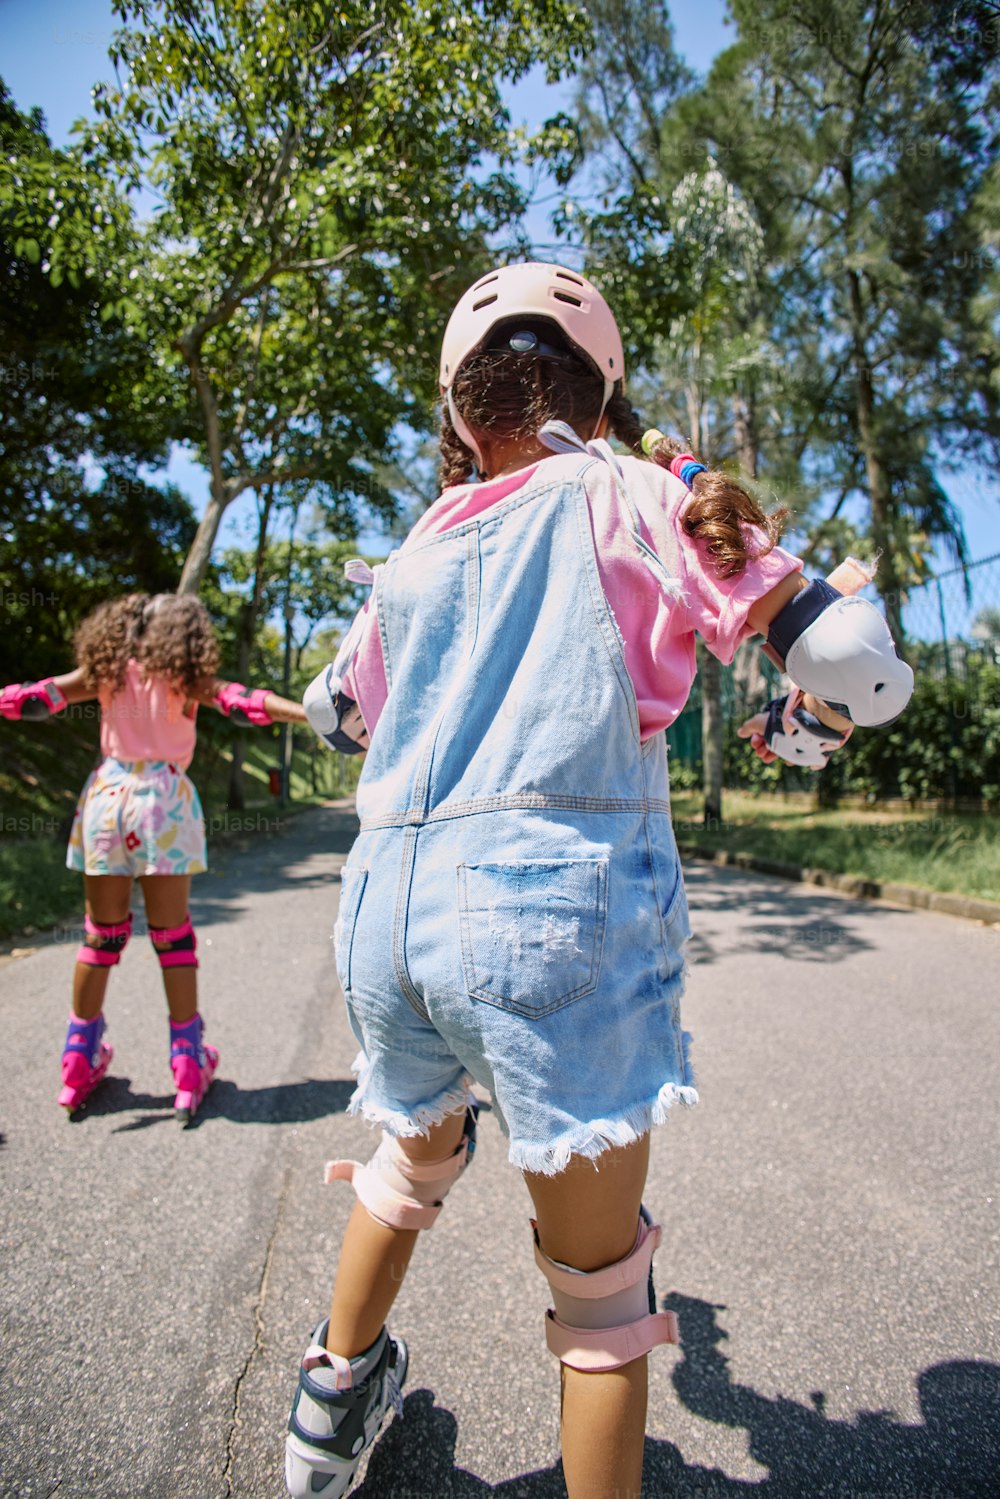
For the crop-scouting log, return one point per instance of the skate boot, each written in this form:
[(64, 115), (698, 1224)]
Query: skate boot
[(193, 1065), (85, 1060), (337, 1412)]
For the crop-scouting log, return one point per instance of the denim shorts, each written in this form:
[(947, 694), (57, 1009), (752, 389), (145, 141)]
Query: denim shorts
[(540, 958)]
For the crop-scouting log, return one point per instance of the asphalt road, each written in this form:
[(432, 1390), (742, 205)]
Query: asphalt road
[(830, 1214)]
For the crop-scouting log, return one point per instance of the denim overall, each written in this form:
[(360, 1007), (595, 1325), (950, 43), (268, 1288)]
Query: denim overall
[(513, 909)]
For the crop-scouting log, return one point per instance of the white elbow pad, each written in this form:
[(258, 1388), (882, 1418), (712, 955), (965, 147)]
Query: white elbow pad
[(326, 704), (841, 650), (320, 703)]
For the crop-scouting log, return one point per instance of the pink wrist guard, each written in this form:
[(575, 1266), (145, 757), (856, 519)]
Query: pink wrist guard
[(32, 700), (247, 707)]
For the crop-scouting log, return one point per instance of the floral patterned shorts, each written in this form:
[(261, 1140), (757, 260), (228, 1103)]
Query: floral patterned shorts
[(138, 817)]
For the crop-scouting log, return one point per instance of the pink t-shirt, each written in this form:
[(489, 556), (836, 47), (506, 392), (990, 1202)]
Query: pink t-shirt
[(658, 630), (146, 720)]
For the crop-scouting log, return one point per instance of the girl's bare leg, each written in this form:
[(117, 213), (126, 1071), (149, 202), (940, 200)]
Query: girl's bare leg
[(374, 1258), (588, 1217), (108, 898), (167, 899)]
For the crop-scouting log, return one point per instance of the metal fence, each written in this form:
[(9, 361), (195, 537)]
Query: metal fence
[(951, 622)]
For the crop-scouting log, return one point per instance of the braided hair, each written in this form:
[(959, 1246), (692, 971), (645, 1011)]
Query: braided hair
[(500, 393)]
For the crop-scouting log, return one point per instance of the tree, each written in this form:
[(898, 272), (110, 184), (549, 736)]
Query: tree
[(78, 519), (863, 129), (705, 371), (298, 581), (321, 200), (685, 254)]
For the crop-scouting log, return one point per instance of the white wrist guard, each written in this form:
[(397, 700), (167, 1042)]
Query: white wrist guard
[(840, 649), (798, 737)]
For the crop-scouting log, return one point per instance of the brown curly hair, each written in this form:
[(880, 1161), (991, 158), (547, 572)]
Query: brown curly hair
[(170, 635), (503, 394)]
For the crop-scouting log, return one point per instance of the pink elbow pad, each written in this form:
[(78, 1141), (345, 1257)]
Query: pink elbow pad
[(31, 700), (244, 707)]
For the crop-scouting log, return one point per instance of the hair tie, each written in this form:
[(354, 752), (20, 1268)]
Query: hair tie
[(650, 439), (685, 467)]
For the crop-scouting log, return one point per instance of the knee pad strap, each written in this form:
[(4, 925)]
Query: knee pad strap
[(103, 945), (605, 1318), (399, 1192), (175, 946)]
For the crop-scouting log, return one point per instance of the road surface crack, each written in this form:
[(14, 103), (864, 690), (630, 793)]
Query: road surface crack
[(258, 1341)]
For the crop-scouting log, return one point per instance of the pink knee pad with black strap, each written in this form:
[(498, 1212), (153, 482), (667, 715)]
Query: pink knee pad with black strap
[(103, 945), (402, 1193), (175, 946), (605, 1318)]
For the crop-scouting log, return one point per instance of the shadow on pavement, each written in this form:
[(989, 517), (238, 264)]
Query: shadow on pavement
[(279, 1103), (799, 926), (954, 1454)]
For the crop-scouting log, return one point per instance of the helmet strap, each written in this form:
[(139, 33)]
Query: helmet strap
[(609, 390), (464, 431)]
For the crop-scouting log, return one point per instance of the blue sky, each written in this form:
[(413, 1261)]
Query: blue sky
[(53, 51)]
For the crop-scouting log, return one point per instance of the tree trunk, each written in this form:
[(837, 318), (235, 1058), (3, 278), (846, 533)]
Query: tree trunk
[(198, 558), (244, 649), (887, 577), (745, 432), (711, 737), (709, 670), (286, 679), (236, 800)]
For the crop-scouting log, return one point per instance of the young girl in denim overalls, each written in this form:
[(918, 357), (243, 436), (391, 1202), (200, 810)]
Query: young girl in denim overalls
[(513, 913), (149, 662)]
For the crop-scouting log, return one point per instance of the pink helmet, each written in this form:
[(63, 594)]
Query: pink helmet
[(534, 288)]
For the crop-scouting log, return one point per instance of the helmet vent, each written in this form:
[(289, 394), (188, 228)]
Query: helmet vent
[(484, 302), (485, 281), (564, 296), (565, 276)]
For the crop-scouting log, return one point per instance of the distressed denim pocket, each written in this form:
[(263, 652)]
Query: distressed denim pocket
[(352, 887), (532, 931), (676, 925)]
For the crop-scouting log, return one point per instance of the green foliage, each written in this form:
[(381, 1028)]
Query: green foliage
[(864, 133), (323, 196), (58, 213), (945, 747), (78, 521)]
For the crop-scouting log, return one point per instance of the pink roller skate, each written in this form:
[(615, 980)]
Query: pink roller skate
[(193, 1065), (85, 1060)]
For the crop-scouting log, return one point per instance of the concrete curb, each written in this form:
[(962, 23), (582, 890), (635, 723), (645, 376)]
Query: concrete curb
[(946, 902)]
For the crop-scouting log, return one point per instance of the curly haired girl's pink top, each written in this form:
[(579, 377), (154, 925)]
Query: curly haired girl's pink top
[(146, 720), (658, 631)]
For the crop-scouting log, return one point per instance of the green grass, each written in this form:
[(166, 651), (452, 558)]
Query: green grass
[(935, 850), (36, 888)]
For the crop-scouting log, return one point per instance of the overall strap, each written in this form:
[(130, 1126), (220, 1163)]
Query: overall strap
[(559, 437)]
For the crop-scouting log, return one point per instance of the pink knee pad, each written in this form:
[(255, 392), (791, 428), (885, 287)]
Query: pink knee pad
[(175, 945), (399, 1192), (605, 1318), (103, 945)]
